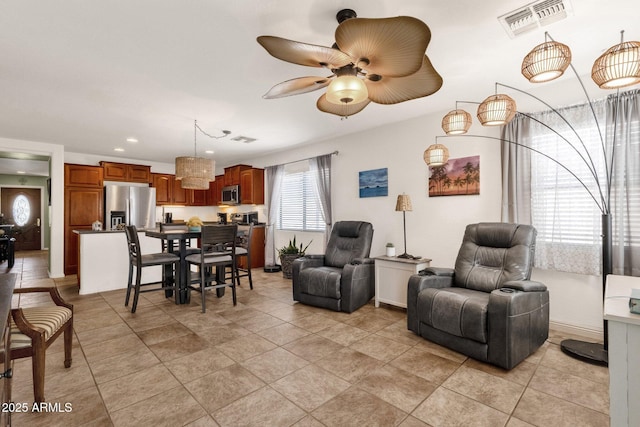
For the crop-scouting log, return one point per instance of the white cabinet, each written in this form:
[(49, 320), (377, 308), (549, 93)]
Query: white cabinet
[(624, 348), (392, 276)]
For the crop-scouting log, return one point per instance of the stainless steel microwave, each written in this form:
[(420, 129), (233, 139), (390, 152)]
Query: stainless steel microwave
[(231, 195)]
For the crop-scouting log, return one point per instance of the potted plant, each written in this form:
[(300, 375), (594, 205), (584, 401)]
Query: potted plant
[(288, 254), (194, 223), (391, 250)]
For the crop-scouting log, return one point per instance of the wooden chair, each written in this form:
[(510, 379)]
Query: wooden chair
[(34, 329), (138, 261), (218, 246)]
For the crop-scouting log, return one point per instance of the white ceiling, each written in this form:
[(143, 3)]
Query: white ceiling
[(88, 74)]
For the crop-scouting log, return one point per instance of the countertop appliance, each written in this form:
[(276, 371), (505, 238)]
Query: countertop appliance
[(129, 205), (231, 195), (245, 218)]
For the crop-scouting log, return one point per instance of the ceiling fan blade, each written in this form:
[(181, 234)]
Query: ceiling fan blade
[(392, 90), (343, 110), (303, 53), (393, 46), (296, 87)]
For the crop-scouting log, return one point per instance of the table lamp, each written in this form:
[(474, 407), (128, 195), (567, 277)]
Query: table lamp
[(403, 205)]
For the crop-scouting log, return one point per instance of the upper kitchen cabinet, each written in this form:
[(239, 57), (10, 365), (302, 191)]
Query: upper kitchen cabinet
[(163, 183), (126, 172), (232, 174), (252, 186), (215, 191), (83, 176)]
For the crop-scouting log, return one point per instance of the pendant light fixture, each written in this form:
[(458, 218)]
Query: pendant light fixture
[(436, 154), (496, 110), (195, 172), (547, 61), (456, 122), (619, 66)]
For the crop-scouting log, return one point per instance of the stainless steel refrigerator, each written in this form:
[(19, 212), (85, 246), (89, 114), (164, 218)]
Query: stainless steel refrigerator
[(129, 205)]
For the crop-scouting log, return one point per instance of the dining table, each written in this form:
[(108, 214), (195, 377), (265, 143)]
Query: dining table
[(181, 237)]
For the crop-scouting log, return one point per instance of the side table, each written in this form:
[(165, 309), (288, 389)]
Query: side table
[(392, 276)]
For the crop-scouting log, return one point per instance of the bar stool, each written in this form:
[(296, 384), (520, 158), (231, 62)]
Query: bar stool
[(139, 261), (244, 251)]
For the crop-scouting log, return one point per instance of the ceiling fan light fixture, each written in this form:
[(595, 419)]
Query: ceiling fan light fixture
[(436, 155), (456, 122), (546, 62), (496, 110), (618, 67), (347, 90)]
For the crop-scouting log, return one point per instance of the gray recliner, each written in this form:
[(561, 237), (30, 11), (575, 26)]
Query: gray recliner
[(342, 279), (486, 308)]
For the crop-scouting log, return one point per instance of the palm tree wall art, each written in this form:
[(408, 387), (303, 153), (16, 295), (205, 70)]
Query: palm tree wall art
[(457, 177)]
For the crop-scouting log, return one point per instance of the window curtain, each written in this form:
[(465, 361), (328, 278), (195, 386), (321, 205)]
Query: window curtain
[(623, 121), (545, 195), (566, 215), (321, 167), (274, 187)]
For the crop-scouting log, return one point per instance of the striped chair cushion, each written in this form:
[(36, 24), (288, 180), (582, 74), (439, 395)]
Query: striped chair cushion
[(48, 318)]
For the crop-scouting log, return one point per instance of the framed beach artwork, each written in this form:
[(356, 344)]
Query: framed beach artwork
[(457, 177), (374, 183)]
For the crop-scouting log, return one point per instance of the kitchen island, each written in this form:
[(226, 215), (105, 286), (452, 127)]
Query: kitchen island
[(103, 260)]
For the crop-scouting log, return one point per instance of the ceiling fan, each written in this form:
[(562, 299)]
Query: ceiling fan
[(373, 60)]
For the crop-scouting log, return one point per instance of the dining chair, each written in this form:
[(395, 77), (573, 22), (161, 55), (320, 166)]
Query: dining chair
[(139, 261), (177, 227), (243, 250), (217, 252), (34, 329)]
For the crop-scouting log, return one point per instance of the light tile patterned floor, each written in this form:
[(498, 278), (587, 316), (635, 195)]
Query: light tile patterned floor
[(272, 362)]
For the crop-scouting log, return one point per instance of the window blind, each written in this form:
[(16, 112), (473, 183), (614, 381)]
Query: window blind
[(299, 203)]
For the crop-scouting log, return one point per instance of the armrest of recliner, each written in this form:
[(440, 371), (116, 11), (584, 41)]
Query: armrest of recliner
[(309, 261), (524, 285), (358, 261), (437, 271)]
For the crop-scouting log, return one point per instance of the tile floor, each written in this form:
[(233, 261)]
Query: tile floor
[(272, 362)]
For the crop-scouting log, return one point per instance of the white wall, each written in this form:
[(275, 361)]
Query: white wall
[(436, 225)]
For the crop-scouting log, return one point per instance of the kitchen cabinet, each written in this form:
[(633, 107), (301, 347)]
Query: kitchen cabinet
[(83, 176), (83, 204), (126, 172), (197, 197), (215, 191), (163, 183), (256, 245), (170, 192), (252, 186), (179, 194), (232, 174)]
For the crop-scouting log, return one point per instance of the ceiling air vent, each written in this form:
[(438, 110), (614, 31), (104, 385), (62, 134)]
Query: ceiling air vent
[(244, 139), (534, 15)]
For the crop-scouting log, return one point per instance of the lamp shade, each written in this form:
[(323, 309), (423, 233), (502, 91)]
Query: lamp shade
[(403, 204), (347, 90), (618, 67), (456, 122), (436, 155), (195, 172), (496, 110), (546, 62)]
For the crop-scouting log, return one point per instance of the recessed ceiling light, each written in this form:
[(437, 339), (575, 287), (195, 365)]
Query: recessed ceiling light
[(132, 140), (20, 172), (209, 151), (118, 149)]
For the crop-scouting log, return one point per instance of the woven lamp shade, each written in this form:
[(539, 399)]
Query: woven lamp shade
[(496, 110), (618, 67), (436, 155), (546, 62), (404, 203), (195, 172), (456, 122)]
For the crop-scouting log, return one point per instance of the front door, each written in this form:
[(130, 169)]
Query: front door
[(21, 207)]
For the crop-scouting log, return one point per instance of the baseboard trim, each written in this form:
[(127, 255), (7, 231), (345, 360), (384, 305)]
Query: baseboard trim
[(587, 333)]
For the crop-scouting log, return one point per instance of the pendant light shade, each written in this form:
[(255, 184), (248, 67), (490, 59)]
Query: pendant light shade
[(195, 172), (456, 122), (436, 155), (347, 90), (618, 67), (546, 62), (496, 110)]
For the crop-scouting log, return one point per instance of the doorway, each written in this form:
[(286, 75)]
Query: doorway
[(22, 207)]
